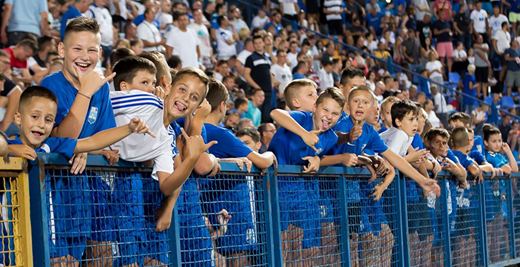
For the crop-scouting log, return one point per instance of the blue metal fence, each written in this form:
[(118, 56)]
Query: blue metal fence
[(278, 218)]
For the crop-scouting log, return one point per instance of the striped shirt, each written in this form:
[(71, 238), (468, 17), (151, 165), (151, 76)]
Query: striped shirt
[(333, 5)]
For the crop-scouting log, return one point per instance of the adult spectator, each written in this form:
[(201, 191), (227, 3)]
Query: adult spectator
[(75, 10), (373, 20), (103, 17), (281, 72), (292, 54), (241, 60), (257, 73), (183, 42), (412, 52), (126, 10), (260, 20), (514, 11), (372, 5), (512, 57), (353, 9), (206, 51), (356, 30), (300, 71), (422, 8), (495, 21), (276, 23), (164, 16), (480, 21), (325, 75), (235, 18), (482, 63), (501, 42), (221, 10), (289, 9), (462, 26), (226, 39), (23, 17), (12, 91), (130, 31), (149, 33), (424, 29), (442, 30), (442, 6), (19, 54), (142, 16), (209, 10), (267, 131), (37, 63)]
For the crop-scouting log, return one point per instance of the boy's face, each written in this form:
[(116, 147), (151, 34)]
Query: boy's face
[(80, 52), (327, 114), (143, 81), (408, 124), (373, 118), (360, 105), (249, 142), (439, 146), (36, 120), (185, 96), (386, 115), (306, 99), (232, 120), (471, 138), (494, 144), (138, 48), (258, 98), (243, 108)]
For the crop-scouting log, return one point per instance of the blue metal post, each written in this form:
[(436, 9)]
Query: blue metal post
[(511, 217), (269, 205), (483, 225), (343, 206), (277, 232), (39, 216), (402, 211), (445, 222), (175, 238)]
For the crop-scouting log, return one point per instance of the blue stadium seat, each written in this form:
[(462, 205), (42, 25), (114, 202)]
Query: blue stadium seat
[(453, 78), (488, 100), (508, 102)]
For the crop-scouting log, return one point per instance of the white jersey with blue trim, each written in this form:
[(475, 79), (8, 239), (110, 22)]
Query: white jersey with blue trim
[(142, 147)]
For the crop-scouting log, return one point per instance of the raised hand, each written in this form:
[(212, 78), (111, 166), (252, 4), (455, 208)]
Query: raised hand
[(91, 81), (203, 110), (138, 126), (195, 144), (311, 139), (353, 135)]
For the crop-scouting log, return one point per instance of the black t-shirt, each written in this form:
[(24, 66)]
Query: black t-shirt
[(260, 70), (424, 31), (463, 21), (9, 85), (445, 36), (356, 29), (40, 62)]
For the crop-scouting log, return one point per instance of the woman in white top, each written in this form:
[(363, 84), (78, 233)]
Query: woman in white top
[(434, 120), (371, 81), (460, 58), (434, 67)]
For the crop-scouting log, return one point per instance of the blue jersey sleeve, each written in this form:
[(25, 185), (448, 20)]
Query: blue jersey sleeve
[(106, 119), (64, 146), (417, 142), (376, 143), (477, 157), (229, 146), (465, 160), (452, 156)]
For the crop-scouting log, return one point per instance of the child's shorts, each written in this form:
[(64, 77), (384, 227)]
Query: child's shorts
[(102, 207), (327, 194), (424, 221), (371, 211)]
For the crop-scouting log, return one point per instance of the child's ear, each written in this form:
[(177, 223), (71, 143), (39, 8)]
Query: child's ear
[(398, 122), (61, 50), (485, 143), (122, 86), (222, 107), (17, 119), (258, 145), (296, 103)]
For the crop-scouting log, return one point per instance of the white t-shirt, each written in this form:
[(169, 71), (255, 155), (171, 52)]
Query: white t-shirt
[(122, 9), (288, 7), (496, 23), (434, 120), (138, 147), (283, 75), (164, 19), (293, 59), (185, 46), (481, 115), (479, 20), (104, 19), (419, 15), (434, 65), (259, 22), (459, 54), (397, 140), (225, 50), (147, 31), (326, 79), (503, 41), (203, 35), (439, 100)]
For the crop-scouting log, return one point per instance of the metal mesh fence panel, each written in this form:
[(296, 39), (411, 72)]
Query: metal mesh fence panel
[(497, 219)]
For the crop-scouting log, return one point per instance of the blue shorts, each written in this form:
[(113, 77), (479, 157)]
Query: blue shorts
[(129, 212), (299, 206), (493, 201), (156, 245), (102, 209), (196, 246), (328, 200), (372, 215)]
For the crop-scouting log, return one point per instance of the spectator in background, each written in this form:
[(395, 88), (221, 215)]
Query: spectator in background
[(442, 31), (257, 73), (374, 21), (469, 88), (372, 5), (496, 20), (439, 103), (164, 16), (253, 112), (19, 54), (126, 10), (325, 75), (23, 17), (290, 9), (412, 52), (421, 9), (356, 30), (100, 13), (267, 131), (149, 33), (75, 10), (480, 21), (12, 91), (226, 39), (442, 6), (483, 65), (37, 63), (514, 11), (333, 10), (276, 22), (282, 73), (501, 41), (130, 31), (462, 26), (435, 69), (300, 71), (512, 58), (235, 18), (260, 20), (183, 42)]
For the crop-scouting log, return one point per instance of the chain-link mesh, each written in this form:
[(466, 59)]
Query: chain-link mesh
[(497, 219)]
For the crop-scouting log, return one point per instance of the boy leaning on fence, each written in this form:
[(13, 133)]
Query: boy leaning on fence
[(35, 118), (241, 238)]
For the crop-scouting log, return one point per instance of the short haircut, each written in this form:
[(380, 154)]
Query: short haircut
[(28, 43), (298, 66), (254, 91), (44, 41), (362, 88), (460, 116), (217, 94), (196, 73), (490, 130), (334, 93), (119, 54), (158, 59), (292, 90), (240, 101), (241, 122), (388, 100), (249, 131), (174, 61), (135, 42), (350, 73), (432, 133), (220, 19), (35, 91), (420, 94), (401, 108), (262, 128), (81, 24), (459, 137), (256, 37), (227, 77), (127, 68)]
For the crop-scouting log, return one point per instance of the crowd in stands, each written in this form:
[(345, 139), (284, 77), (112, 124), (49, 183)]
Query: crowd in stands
[(211, 86)]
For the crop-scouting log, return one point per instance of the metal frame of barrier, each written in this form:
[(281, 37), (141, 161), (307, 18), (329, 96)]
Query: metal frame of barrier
[(402, 213)]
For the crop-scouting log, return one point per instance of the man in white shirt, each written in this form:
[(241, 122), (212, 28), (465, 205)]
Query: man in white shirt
[(149, 34), (226, 39), (183, 42), (501, 42), (103, 17), (260, 20), (241, 58), (325, 75), (289, 9), (495, 21), (282, 73), (165, 17), (206, 51), (293, 54), (480, 21)]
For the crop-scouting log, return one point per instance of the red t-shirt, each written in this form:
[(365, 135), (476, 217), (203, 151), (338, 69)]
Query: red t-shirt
[(16, 65), (443, 7)]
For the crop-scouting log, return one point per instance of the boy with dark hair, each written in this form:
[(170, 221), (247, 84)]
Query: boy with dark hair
[(404, 126), (463, 119), (35, 117), (250, 137), (241, 237), (350, 78), (135, 72)]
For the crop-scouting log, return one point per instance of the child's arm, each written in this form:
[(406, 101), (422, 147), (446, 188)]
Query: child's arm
[(414, 154), (262, 161), (347, 159), (283, 118), (510, 157), (23, 151), (313, 166), (379, 189), (108, 137), (472, 86), (455, 169), (428, 185)]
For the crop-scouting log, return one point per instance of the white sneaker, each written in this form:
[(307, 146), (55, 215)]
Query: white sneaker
[(492, 81)]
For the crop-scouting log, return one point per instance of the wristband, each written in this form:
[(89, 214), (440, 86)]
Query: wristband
[(82, 94)]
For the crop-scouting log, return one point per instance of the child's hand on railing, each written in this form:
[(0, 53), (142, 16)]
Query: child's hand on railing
[(79, 163), (313, 166), (23, 151)]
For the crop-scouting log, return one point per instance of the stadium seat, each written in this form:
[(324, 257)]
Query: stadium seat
[(488, 100), (453, 78), (508, 102)]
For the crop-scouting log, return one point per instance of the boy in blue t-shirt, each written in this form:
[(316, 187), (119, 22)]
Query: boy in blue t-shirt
[(35, 118), (241, 236), (469, 88), (463, 119)]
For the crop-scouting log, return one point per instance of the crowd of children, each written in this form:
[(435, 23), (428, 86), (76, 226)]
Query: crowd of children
[(73, 113)]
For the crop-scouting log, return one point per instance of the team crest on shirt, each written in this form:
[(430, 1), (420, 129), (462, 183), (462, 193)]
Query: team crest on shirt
[(250, 236), (92, 115)]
